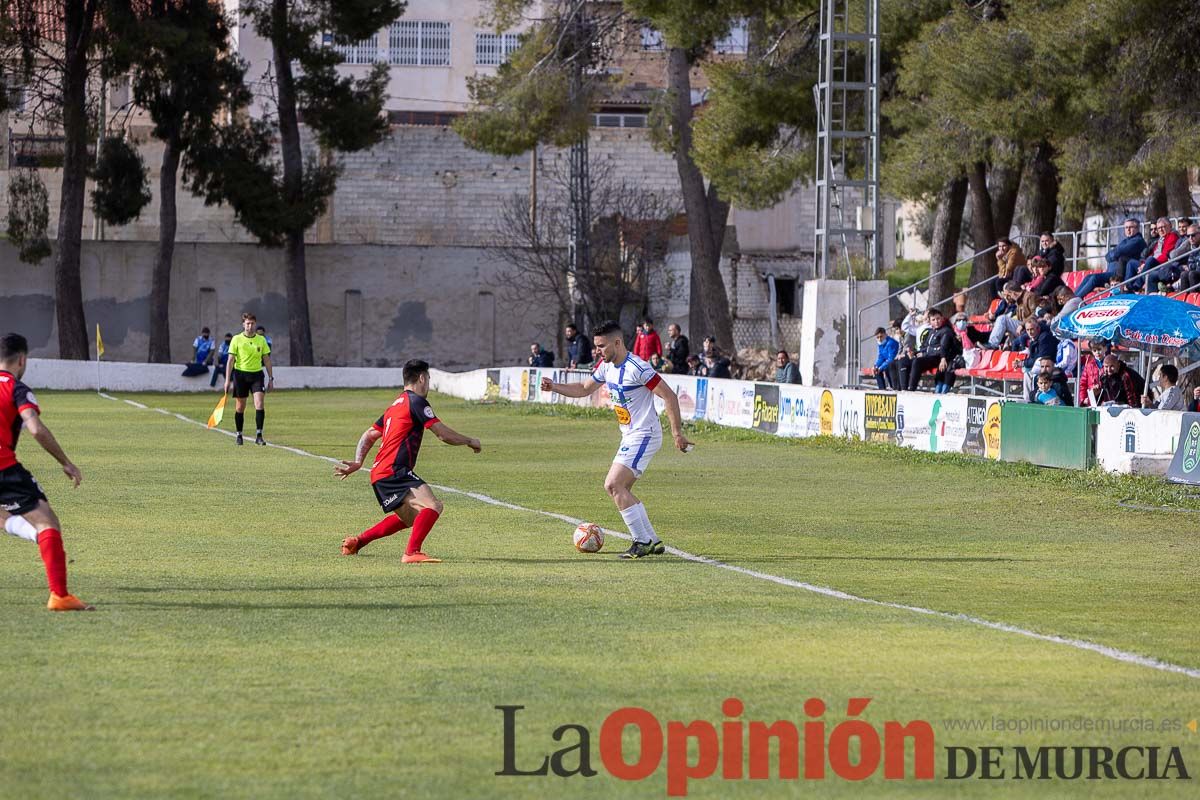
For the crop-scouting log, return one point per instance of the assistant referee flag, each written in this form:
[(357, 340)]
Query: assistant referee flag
[(214, 419)]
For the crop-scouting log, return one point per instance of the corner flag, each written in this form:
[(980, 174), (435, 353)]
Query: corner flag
[(99, 343), (218, 413)]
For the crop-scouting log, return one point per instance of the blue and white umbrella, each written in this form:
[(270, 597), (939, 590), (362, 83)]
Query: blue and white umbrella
[(1144, 322)]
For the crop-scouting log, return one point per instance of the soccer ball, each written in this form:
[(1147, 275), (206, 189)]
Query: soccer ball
[(588, 537)]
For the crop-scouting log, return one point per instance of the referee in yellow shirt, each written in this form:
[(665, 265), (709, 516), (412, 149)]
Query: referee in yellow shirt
[(248, 354)]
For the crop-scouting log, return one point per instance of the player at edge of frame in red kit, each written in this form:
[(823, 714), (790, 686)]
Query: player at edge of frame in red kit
[(406, 499), (632, 386), (24, 509)]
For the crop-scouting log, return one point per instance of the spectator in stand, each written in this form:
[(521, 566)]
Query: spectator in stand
[(904, 362), (202, 347), (677, 349), (1194, 404), (1009, 315), (1066, 357), (1010, 265), (261, 331), (967, 335), (1092, 370), (221, 358), (1190, 279), (960, 303), (1047, 394), (1170, 398), (1057, 378), (785, 370), (886, 371), (1127, 249), (938, 353), (647, 343), (693, 365), (716, 365), (1044, 282), (911, 326), (1053, 252), (1067, 302), (1154, 268), (579, 349), (1116, 385), (539, 357), (1038, 343), (657, 363)]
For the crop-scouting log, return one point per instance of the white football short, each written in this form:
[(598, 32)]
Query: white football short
[(637, 448)]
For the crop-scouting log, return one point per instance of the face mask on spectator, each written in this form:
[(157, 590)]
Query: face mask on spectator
[(961, 324)]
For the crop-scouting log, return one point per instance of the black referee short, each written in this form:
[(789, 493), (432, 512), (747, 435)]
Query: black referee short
[(391, 491), (247, 383), (19, 491)]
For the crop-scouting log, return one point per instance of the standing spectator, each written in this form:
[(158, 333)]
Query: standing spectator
[(1053, 252), (1010, 265), (263, 333), (579, 349), (1117, 386), (1126, 250), (1092, 370), (1170, 397), (539, 357), (937, 353), (222, 359), (677, 349), (886, 369), (1190, 280), (785, 370), (647, 343)]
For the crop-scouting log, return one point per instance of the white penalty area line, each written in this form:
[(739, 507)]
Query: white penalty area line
[(1113, 653)]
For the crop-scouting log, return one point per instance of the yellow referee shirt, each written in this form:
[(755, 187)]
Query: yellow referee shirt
[(247, 352)]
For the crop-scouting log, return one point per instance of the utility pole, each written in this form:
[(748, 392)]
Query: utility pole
[(579, 243)]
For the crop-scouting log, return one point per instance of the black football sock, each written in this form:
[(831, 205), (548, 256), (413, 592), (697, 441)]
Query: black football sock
[(258, 420), (239, 420)]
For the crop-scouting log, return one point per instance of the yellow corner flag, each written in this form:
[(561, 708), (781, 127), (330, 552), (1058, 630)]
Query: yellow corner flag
[(99, 342), (218, 412)]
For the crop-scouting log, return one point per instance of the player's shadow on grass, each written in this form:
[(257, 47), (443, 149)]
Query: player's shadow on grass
[(205, 606), (598, 558)]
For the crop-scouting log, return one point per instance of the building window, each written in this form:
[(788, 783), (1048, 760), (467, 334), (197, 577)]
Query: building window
[(417, 43), (493, 49), (637, 120), (364, 51), (735, 41), (652, 41)]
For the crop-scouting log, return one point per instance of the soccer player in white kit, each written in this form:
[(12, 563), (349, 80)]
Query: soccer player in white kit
[(632, 384)]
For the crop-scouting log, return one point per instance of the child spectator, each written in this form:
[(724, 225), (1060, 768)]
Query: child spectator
[(1047, 395)]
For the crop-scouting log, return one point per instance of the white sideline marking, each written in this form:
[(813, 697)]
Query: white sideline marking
[(1079, 644)]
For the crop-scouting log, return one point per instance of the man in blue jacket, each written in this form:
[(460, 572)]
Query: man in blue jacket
[(1130, 247), (885, 363)]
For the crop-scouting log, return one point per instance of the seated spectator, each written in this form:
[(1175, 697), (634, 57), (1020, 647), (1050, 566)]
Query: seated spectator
[(202, 348), (908, 354), (1067, 302), (1010, 265), (1044, 282), (1153, 268), (785, 370), (709, 346), (960, 303), (716, 365), (1009, 315), (539, 357), (693, 365), (886, 371), (1194, 403), (938, 353), (1053, 252), (1117, 386), (1038, 343), (657, 363), (1189, 281), (1058, 381), (1170, 398), (967, 335), (1129, 248)]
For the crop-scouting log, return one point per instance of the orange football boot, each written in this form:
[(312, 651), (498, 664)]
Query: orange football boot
[(419, 558), (67, 603), (349, 545)]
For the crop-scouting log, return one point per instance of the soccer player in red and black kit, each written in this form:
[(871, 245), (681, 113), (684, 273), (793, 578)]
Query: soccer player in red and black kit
[(405, 498), (24, 509)]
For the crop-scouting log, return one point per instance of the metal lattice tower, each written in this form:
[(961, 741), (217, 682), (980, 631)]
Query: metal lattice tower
[(847, 97)]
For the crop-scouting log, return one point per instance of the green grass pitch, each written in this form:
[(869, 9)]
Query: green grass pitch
[(236, 654)]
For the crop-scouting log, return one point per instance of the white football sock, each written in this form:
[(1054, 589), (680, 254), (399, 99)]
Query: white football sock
[(21, 528), (639, 524)]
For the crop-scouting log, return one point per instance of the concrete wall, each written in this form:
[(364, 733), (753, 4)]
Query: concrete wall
[(370, 305)]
